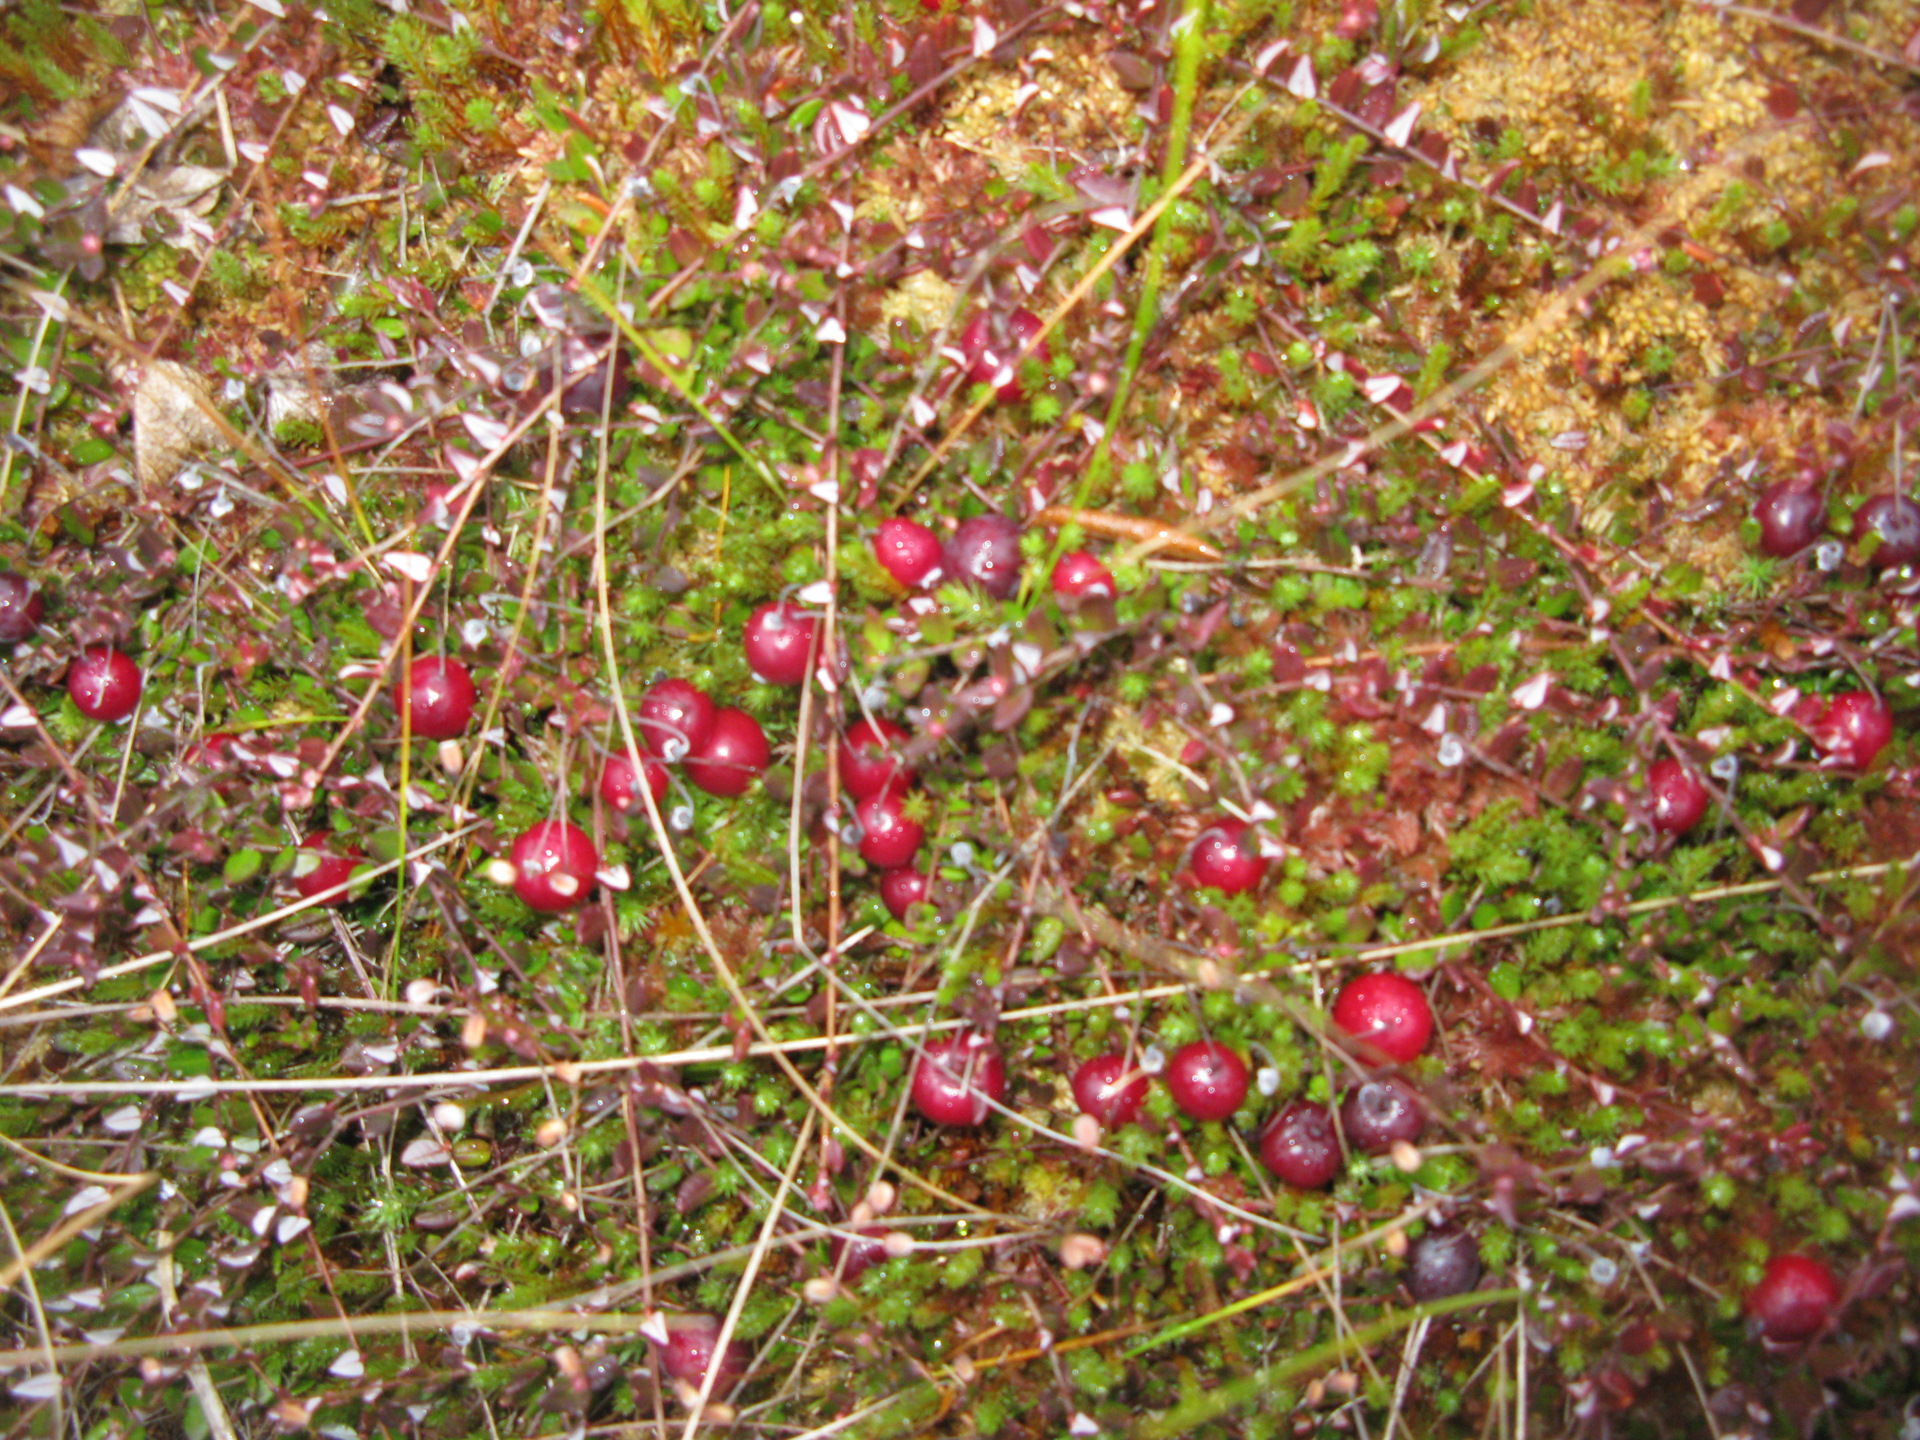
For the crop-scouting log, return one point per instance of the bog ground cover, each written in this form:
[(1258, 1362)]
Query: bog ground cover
[(979, 719)]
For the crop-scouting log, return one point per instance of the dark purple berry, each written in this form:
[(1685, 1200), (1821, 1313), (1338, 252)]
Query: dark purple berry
[(1894, 521), (1300, 1147), (1791, 518), (985, 551), (1377, 1113), (1442, 1262)]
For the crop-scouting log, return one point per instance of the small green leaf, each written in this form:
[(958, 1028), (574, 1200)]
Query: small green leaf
[(242, 866)]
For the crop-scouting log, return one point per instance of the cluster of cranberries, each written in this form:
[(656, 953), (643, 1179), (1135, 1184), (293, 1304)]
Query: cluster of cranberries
[(960, 1077), (720, 748), (878, 781), (1792, 515), (983, 552)]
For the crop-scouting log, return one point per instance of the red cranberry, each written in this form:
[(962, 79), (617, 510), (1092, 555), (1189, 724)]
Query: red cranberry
[(1387, 1010), (1794, 1299), (437, 697), (332, 872), (735, 755), (21, 608), (985, 551), (1207, 1080), (554, 863), (105, 683), (1227, 858), (955, 1079), (1079, 575), (779, 641), (854, 1256), (1895, 521), (908, 551), (888, 838), (674, 719), (1853, 729), (1299, 1145), (870, 759), (1442, 1262), (1110, 1089), (1679, 796), (620, 784), (902, 888), (1377, 1113), (1791, 518), (688, 1354)]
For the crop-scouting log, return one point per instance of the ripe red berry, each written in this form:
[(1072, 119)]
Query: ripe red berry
[(956, 1077), (1679, 797), (1853, 729), (1794, 1299), (870, 759), (1079, 575), (985, 551), (1791, 518), (1379, 1112), (1228, 858), (620, 784), (888, 838), (1388, 1010), (104, 683), (21, 608), (735, 755), (1110, 1088), (902, 888), (436, 696), (1894, 522), (330, 872), (1300, 1147), (553, 865), (1207, 1080), (908, 551), (688, 1354), (673, 719), (779, 640)]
